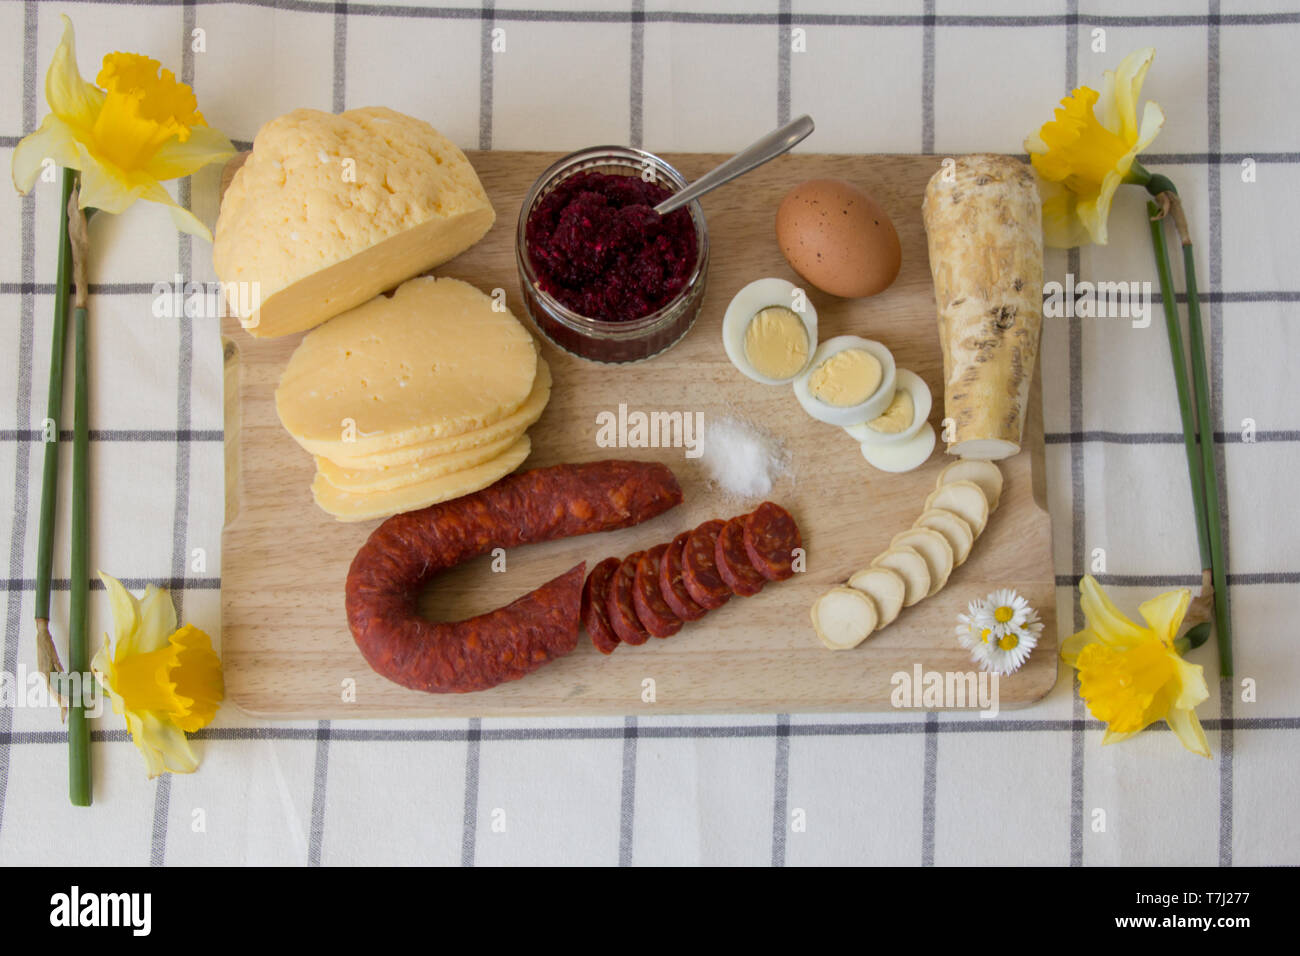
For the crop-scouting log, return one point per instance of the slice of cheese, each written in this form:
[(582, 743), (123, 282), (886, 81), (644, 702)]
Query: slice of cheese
[(330, 210), (350, 506), (511, 427), (366, 480), (434, 360)]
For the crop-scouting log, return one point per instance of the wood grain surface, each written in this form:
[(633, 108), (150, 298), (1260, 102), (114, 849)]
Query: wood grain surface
[(285, 640)]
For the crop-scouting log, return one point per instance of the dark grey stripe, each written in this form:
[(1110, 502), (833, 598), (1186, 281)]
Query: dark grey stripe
[(1188, 580), (636, 97), (929, 787), (340, 56), (627, 808), (485, 75), (135, 584), (927, 79), (1164, 438), (184, 380), (319, 790), (1077, 523), (783, 37), (1228, 726), (28, 287), (119, 435), (739, 19), (1001, 725), (1078, 531), (469, 828), (1217, 332), (162, 800), (14, 629), (781, 790)]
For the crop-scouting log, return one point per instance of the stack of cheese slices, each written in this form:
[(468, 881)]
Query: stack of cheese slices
[(405, 397)]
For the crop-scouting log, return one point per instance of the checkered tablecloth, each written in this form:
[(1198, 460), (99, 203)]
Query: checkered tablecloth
[(902, 76)]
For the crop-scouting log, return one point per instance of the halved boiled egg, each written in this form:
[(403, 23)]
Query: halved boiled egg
[(912, 453), (902, 418), (770, 331), (850, 380)]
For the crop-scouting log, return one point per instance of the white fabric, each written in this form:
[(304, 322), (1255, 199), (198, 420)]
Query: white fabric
[(905, 76)]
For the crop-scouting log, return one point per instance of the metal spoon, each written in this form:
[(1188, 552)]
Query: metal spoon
[(769, 147)]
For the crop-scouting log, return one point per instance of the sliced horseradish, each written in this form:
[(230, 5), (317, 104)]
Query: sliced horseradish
[(844, 618), (936, 550), (886, 587), (964, 499), (911, 567), (953, 527), (983, 473)]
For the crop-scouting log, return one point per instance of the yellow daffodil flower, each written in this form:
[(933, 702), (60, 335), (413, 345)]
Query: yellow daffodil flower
[(1132, 676), (165, 680), (140, 128), (1082, 158)]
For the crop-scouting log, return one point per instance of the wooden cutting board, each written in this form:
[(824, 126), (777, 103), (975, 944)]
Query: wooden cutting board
[(285, 641)]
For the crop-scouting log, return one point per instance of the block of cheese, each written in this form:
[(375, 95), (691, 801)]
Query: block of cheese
[(434, 360), (330, 210), (511, 427), (351, 506), (366, 480)]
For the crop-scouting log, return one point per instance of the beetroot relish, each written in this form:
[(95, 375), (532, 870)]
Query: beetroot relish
[(598, 247)]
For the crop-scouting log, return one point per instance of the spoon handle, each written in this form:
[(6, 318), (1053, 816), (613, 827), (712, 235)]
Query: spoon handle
[(769, 147)]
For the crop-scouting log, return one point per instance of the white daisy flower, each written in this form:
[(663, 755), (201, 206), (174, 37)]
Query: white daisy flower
[(1006, 653), (976, 626), (1008, 608), (999, 631)]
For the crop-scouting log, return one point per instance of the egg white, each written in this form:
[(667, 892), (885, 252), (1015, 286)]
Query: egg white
[(748, 302), (865, 411), (921, 403)]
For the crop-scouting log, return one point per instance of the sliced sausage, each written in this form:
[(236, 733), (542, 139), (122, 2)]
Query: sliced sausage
[(771, 537), (671, 585), (651, 610), (621, 604), (408, 550), (595, 615), (733, 564), (700, 567)]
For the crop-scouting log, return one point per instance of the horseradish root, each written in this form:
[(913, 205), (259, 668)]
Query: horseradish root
[(983, 220)]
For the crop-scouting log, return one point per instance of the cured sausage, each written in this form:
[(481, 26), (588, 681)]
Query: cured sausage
[(595, 616), (771, 537), (700, 568), (651, 610), (408, 550), (733, 564), (671, 585), (622, 609)]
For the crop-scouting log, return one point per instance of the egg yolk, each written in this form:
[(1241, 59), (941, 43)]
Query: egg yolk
[(776, 343), (847, 378), (898, 416)]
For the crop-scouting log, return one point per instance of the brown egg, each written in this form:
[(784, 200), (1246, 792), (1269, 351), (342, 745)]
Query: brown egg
[(838, 238)]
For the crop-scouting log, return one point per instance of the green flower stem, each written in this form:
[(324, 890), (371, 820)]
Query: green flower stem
[(1214, 512), (1185, 407), (79, 789), (54, 409), (79, 780)]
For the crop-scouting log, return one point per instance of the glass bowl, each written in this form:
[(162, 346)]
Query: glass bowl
[(599, 340)]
